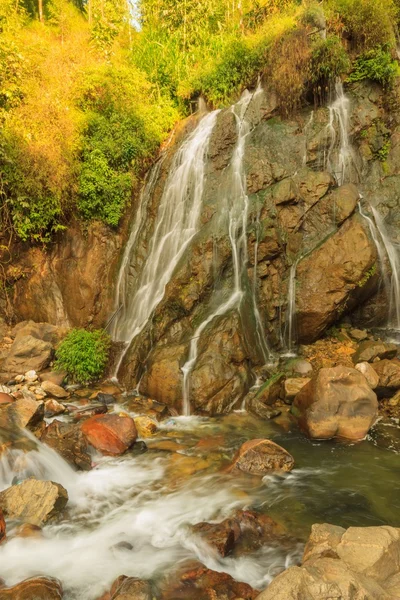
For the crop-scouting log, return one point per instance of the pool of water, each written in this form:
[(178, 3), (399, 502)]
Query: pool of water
[(132, 515)]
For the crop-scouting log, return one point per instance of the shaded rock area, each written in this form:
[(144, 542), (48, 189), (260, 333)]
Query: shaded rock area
[(357, 563), (33, 501), (337, 402), (68, 440), (37, 588)]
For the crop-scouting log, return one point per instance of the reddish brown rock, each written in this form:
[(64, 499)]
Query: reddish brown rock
[(338, 402), (6, 398), (196, 582), (37, 588), (2, 527), (260, 457), (221, 536), (110, 434)]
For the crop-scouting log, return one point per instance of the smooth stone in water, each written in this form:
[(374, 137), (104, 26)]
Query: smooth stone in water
[(261, 457), (37, 588), (54, 390)]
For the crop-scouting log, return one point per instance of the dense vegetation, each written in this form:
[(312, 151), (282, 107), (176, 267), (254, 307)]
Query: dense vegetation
[(90, 89), (83, 355)]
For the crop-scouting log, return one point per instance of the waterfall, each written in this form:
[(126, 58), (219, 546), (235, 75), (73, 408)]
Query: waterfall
[(237, 202), (340, 157), (176, 223), (386, 251), (291, 311)]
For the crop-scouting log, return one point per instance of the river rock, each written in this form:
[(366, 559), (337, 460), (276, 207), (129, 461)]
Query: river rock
[(54, 390), (369, 351), (132, 589), (68, 440), (37, 588), (106, 399), (56, 377), (28, 353), (145, 426), (33, 500), (220, 536), (358, 563), (388, 372), (194, 581), (293, 387), (258, 408), (338, 402), (369, 373), (110, 434), (52, 408), (261, 457), (30, 376)]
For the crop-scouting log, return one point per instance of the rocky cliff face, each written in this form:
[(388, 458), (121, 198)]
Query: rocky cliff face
[(297, 214)]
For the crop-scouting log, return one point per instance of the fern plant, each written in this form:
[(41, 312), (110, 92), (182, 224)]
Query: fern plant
[(84, 354)]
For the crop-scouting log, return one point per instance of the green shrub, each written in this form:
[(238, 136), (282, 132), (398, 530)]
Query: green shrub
[(376, 65), (83, 354), (369, 23)]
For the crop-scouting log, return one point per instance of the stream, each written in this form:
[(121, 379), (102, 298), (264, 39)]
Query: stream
[(132, 515)]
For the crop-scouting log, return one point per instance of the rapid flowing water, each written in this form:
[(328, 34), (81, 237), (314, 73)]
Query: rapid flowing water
[(236, 205), (340, 158), (291, 312), (132, 515), (387, 252), (175, 225)]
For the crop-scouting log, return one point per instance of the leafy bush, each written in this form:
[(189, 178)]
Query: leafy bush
[(376, 65), (369, 23), (84, 354)]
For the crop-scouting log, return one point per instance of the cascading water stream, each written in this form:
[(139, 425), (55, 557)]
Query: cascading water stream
[(237, 202), (176, 223), (340, 157), (291, 312), (386, 252)]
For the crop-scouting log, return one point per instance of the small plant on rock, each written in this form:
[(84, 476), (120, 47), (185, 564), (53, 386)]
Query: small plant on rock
[(84, 354)]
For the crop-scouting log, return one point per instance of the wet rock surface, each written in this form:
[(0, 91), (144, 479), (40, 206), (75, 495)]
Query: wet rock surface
[(110, 434), (37, 588)]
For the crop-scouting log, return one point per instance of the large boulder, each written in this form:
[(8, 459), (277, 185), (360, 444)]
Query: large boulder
[(337, 403), (28, 353), (41, 331), (261, 457), (360, 563), (110, 434), (37, 588), (388, 372), (333, 278), (33, 501), (68, 440)]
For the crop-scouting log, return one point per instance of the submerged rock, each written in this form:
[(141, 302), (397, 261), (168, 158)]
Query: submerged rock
[(37, 588), (347, 565), (338, 402), (33, 501), (110, 434), (260, 457)]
